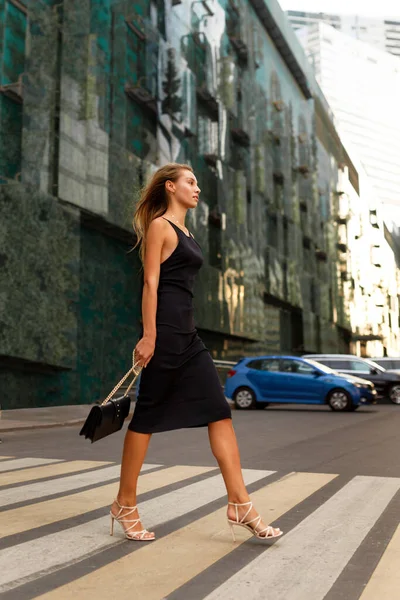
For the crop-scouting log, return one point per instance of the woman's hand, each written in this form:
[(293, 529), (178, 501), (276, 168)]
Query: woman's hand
[(144, 351)]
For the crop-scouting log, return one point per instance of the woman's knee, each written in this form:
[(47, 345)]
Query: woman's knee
[(221, 426)]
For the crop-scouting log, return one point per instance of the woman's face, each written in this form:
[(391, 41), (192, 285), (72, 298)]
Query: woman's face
[(185, 189)]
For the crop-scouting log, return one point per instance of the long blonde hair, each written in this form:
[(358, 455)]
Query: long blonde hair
[(153, 201)]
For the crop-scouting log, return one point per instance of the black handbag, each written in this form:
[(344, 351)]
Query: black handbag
[(109, 416)]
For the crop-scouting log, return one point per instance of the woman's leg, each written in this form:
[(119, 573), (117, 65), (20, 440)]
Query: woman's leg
[(134, 452), (133, 455), (225, 449)]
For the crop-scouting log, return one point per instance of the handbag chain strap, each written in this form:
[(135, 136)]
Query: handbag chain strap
[(135, 369)]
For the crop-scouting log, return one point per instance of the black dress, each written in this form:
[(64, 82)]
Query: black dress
[(180, 386)]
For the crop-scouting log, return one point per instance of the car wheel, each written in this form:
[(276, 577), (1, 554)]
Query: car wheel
[(244, 398), (339, 400), (394, 394)]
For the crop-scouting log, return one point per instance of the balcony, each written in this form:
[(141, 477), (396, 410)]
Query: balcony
[(196, 49), (373, 218), (340, 208), (321, 255), (238, 131), (279, 105), (376, 257), (345, 276), (14, 91), (142, 62), (343, 269), (235, 29), (303, 170), (216, 217), (207, 98), (141, 94), (207, 131), (303, 204), (211, 159)]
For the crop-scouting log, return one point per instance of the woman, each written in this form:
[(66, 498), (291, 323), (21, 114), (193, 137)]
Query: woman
[(179, 384)]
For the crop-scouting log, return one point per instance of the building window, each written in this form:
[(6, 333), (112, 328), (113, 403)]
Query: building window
[(157, 15), (141, 132), (285, 238), (207, 132), (141, 87), (142, 62), (272, 231)]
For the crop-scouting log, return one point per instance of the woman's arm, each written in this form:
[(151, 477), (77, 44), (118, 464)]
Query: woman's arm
[(154, 243)]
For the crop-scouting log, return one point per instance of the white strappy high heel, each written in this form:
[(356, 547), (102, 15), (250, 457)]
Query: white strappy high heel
[(137, 536), (268, 533)]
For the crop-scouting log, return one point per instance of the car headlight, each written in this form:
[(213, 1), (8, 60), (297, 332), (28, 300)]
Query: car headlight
[(356, 384)]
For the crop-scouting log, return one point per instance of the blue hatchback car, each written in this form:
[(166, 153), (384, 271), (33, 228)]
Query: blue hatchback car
[(257, 381)]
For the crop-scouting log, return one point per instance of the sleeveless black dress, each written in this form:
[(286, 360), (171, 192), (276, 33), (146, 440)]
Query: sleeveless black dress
[(180, 386)]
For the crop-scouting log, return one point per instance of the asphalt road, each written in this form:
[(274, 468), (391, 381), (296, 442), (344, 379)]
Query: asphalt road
[(330, 480)]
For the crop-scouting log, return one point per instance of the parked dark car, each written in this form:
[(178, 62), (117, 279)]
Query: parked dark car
[(257, 381), (387, 383), (390, 364)]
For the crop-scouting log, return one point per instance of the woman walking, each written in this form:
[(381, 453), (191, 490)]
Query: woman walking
[(179, 384)]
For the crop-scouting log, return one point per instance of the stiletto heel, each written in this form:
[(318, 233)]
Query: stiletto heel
[(137, 536), (232, 532), (268, 533)]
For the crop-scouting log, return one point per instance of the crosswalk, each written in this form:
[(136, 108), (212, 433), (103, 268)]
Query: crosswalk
[(55, 542)]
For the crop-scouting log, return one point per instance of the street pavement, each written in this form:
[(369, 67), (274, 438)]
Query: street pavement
[(330, 480)]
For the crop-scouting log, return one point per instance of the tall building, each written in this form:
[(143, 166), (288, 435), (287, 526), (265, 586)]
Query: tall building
[(94, 96), (384, 34), (362, 86)]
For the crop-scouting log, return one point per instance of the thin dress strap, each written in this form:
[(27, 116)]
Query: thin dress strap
[(178, 228)]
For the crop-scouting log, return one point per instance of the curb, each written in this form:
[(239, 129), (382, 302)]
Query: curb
[(48, 425), (42, 426)]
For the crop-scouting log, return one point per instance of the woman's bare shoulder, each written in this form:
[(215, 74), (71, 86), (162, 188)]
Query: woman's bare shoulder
[(158, 226)]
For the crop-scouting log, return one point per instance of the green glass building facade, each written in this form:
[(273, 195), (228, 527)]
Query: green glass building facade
[(94, 95)]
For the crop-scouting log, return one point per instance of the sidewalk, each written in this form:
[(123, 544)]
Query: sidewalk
[(40, 418), (49, 416)]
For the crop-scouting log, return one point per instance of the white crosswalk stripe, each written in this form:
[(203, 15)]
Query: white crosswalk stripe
[(23, 463), (320, 546), (33, 491), (43, 555), (304, 564)]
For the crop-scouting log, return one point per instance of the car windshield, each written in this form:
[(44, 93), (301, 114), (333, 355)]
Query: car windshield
[(320, 366), (374, 365)]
